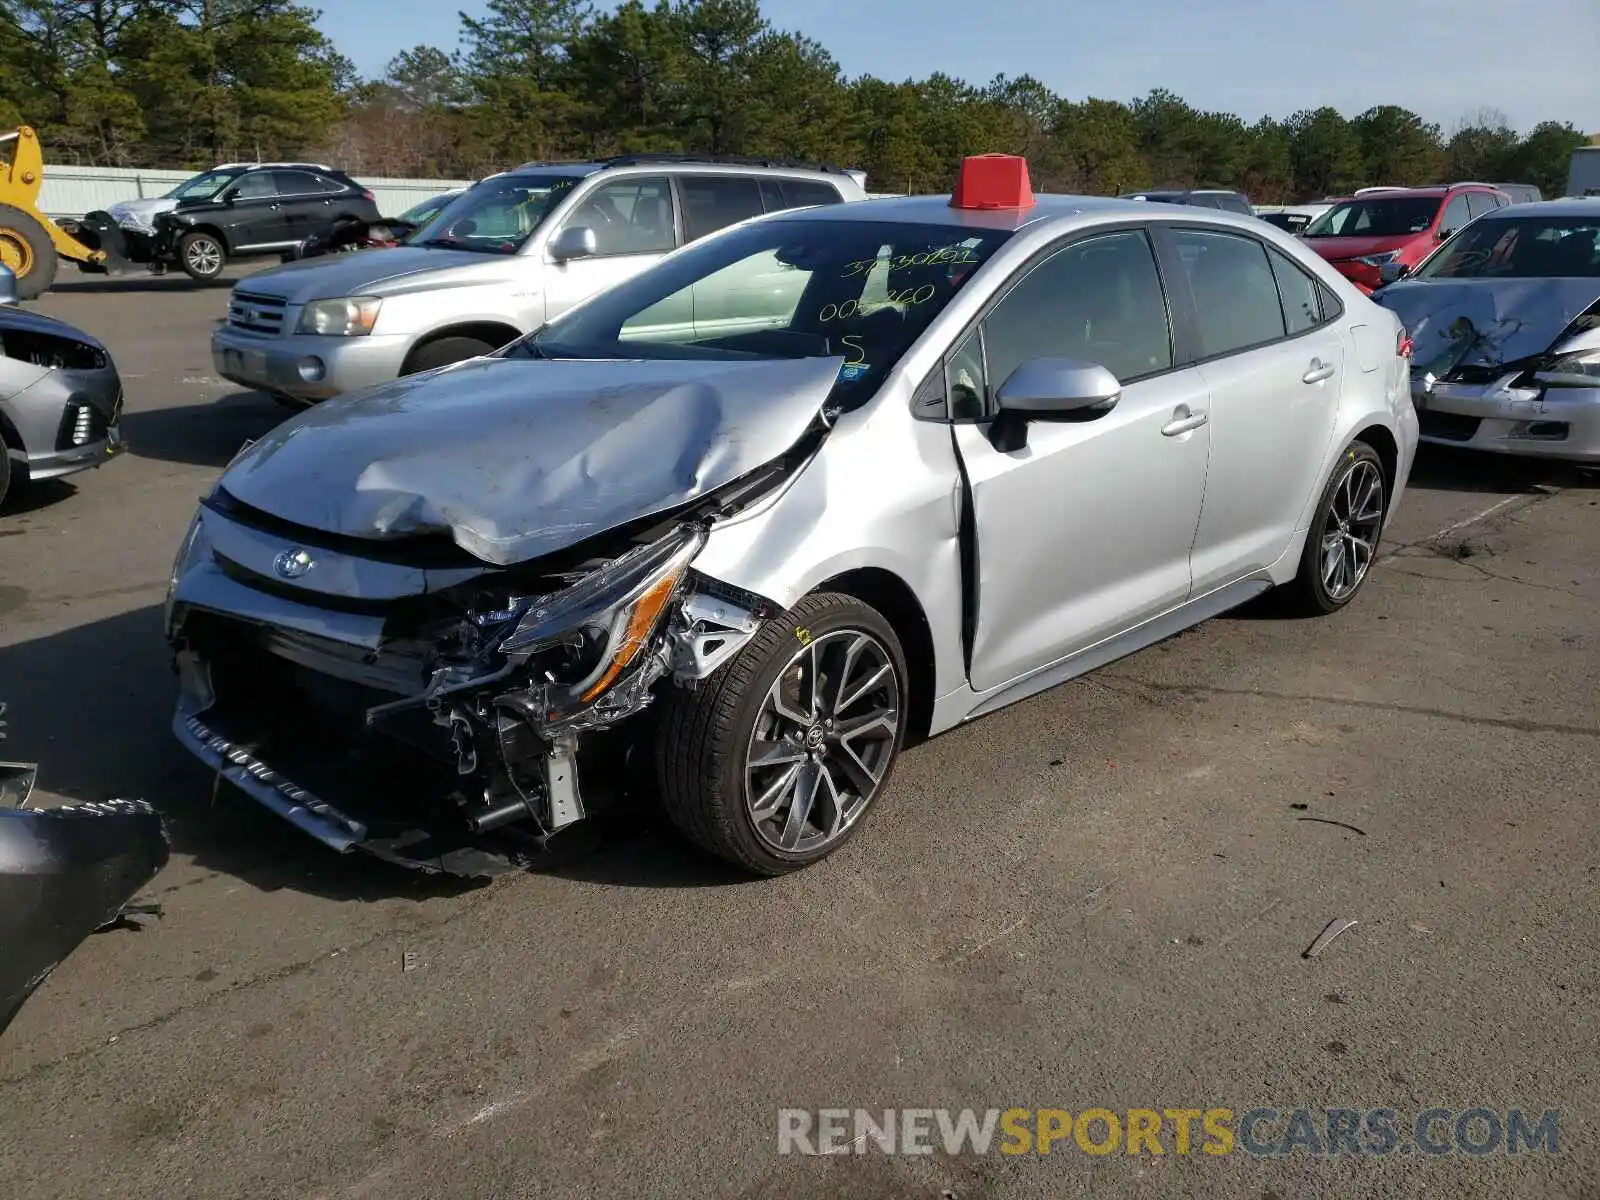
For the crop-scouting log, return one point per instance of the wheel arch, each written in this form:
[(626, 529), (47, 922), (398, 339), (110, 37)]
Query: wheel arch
[(207, 228), (890, 595), (496, 333), (1381, 438)]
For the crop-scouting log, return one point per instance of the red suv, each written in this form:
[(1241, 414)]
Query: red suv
[(1378, 226)]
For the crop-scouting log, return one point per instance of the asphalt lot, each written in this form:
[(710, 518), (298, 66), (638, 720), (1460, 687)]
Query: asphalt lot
[(1098, 898)]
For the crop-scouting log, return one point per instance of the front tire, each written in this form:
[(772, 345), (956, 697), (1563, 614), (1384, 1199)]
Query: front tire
[(202, 256), (441, 352), (774, 762), (5, 473), (1342, 543)]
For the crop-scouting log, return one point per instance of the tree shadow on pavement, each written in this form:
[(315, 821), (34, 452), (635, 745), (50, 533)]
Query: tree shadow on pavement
[(202, 435), (92, 705)]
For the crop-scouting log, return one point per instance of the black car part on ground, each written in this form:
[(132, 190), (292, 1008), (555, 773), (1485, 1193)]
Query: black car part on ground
[(64, 874), (123, 248)]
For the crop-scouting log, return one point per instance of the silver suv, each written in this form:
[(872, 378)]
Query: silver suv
[(514, 251)]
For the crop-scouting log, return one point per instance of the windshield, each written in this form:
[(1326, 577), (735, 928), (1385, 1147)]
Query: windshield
[(1395, 216), (781, 289), (1529, 248), (202, 187), (497, 216), (426, 211)]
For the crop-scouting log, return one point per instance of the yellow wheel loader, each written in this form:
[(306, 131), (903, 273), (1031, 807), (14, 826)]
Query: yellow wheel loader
[(31, 244)]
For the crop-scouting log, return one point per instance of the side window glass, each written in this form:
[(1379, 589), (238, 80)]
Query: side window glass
[(329, 186), (964, 380), (630, 216), (1479, 203), (296, 183), (1099, 300), (713, 202), (1455, 215), (1302, 310), (258, 185), (772, 196), (1235, 294), (799, 193)]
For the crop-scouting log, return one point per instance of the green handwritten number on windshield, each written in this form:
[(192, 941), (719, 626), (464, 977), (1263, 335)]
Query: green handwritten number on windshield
[(909, 298), (950, 256)]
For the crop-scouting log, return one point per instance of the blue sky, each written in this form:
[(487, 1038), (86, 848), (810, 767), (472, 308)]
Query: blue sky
[(1441, 58)]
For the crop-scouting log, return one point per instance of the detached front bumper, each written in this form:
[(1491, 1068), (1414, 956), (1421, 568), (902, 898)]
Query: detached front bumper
[(1537, 422), (306, 367)]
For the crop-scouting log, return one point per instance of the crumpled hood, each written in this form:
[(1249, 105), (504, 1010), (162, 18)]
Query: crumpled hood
[(1485, 322), (141, 214), (517, 458), (386, 273)]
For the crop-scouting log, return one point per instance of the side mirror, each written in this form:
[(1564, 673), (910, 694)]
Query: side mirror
[(8, 285), (1392, 272), (1051, 389), (575, 241), (1446, 234)]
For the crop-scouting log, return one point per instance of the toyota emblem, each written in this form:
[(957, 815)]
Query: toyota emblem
[(292, 564)]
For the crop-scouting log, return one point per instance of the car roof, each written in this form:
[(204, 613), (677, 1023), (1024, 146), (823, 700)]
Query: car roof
[(936, 210), (1577, 206)]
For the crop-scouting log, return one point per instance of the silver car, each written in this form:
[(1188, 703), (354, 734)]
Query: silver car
[(512, 252), (740, 558), (1506, 322), (60, 397)]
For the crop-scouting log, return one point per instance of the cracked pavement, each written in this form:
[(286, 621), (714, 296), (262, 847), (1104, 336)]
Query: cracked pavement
[(1098, 897)]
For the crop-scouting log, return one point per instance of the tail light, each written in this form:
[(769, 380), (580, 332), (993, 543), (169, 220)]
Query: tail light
[(366, 194), (1403, 347)]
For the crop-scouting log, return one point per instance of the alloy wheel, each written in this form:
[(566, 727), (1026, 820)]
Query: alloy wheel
[(204, 256), (823, 741), (1350, 533)]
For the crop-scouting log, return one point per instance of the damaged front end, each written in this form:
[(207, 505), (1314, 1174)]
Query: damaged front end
[(438, 712)]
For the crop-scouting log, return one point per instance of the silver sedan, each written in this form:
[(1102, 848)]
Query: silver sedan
[(1506, 321), (903, 463)]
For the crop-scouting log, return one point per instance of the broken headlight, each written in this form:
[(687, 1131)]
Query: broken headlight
[(1580, 368), (599, 626), (193, 546)]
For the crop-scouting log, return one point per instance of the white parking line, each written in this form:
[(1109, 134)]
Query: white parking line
[(1497, 506)]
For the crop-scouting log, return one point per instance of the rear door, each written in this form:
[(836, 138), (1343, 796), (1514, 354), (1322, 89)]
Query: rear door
[(1273, 365), (755, 293), (1085, 531), (306, 203)]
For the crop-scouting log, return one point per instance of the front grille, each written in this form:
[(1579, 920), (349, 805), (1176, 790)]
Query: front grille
[(1449, 427), (82, 424), (257, 314)]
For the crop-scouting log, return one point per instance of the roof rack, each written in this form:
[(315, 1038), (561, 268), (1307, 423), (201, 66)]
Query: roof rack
[(731, 160), (234, 166)]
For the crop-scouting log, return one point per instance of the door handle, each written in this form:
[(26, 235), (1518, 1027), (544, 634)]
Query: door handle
[(274, 207), (1184, 420), (1317, 372)]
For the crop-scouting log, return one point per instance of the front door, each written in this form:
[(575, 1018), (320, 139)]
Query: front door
[(255, 216), (1086, 530), (633, 224), (1273, 366)]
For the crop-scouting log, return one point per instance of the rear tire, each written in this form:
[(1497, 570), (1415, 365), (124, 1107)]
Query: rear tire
[(441, 352), (5, 473), (202, 256), (1342, 543), (763, 765), (26, 248)]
